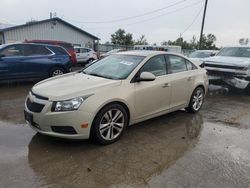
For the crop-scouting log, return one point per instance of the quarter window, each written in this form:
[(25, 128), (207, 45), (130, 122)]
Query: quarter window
[(177, 64), (190, 66), (156, 65)]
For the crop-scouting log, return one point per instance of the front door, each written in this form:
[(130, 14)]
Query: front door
[(152, 97)]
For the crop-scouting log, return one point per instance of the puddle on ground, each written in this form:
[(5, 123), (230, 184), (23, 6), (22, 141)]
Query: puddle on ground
[(144, 150)]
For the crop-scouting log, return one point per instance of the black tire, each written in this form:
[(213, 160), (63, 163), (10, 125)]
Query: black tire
[(192, 108), (247, 90), (56, 71), (101, 120), (90, 60)]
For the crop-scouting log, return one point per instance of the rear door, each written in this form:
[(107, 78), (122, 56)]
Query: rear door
[(182, 80), (37, 60), (153, 97)]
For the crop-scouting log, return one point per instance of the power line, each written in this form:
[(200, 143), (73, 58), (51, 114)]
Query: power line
[(131, 17), (152, 18), (194, 20)]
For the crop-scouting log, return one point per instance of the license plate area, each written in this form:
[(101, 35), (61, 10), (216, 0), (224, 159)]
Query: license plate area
[(29, 117)]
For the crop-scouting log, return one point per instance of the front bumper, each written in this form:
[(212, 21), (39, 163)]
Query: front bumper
[(237, 82), (43, 121)]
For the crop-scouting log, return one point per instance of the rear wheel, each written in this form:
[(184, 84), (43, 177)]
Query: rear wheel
[(110, 124), (56, 71), (90, 60), (196, 100)]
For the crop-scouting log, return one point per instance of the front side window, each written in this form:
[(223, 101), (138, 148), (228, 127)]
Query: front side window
[(12, 51), (114, 67), (156, 65), (177, 64)]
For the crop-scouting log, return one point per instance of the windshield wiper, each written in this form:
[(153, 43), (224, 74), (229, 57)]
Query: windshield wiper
[(98, 75)]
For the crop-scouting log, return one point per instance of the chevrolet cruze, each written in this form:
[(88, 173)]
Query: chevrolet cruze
[(114, 92)]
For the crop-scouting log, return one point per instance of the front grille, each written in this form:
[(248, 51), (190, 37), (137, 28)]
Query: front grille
[(33, 106), (224, 66), (220, 73), (63, 129)]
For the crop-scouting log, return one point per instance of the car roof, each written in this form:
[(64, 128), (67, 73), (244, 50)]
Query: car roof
[(237, 46), (37, 44), (147, 53), (47, 41), (206, 51)]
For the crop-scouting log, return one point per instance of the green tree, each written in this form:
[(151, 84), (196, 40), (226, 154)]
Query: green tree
[(141, 41), (208, 42), (122, 38)]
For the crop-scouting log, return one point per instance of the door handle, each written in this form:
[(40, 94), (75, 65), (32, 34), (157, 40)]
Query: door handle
[(166, 85), (189, 78)]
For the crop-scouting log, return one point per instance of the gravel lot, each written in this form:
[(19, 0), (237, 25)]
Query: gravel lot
[(208, 149)]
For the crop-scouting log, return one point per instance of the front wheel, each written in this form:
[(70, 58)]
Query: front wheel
[(110, 124), (196, 100)]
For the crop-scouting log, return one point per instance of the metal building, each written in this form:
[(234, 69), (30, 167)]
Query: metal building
[(50, 29)]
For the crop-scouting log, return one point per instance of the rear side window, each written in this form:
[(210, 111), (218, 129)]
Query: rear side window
[(58, 50), (77, 50), (156, 65), (12, 51), (177, 64), (36, 50), (84, 50)]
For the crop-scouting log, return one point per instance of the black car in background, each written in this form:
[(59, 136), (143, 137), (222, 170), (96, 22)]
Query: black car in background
[(38, 61)]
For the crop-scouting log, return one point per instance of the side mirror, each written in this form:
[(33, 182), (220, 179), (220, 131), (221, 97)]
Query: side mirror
[(146, 76)]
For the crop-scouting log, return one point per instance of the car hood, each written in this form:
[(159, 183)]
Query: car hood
[(233, 61), (72, 85)]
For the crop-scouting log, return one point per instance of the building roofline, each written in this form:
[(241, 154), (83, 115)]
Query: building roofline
[(47, 20)]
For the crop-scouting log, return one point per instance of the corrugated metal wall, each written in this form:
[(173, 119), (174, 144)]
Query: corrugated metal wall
[(52, 30)]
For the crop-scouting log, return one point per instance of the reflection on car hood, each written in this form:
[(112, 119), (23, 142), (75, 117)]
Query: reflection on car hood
[(233, 61), (72, 85)]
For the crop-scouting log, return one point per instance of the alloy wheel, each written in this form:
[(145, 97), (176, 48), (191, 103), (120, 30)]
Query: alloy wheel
[(111, 124), (198, 99), (57, 72)]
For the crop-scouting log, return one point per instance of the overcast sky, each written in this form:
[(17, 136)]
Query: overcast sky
[(229, 20)]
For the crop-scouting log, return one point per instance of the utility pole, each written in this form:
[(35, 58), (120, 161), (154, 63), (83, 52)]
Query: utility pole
[(202, 25)]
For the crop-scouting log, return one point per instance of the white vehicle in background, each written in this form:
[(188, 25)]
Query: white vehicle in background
[(85, 55), (231, 66), (114, 51), (199, 55), (175, 49)]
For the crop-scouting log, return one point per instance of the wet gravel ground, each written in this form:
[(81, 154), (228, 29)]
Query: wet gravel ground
[(208, 149)]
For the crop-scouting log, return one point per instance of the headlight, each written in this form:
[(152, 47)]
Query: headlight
[(68, 105)]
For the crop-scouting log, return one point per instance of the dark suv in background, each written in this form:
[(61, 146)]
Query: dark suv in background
[(68, 46), (22, 61)]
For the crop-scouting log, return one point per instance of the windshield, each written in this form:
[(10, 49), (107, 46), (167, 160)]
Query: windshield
[(199, 54), (115, 67), (235, 52)]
